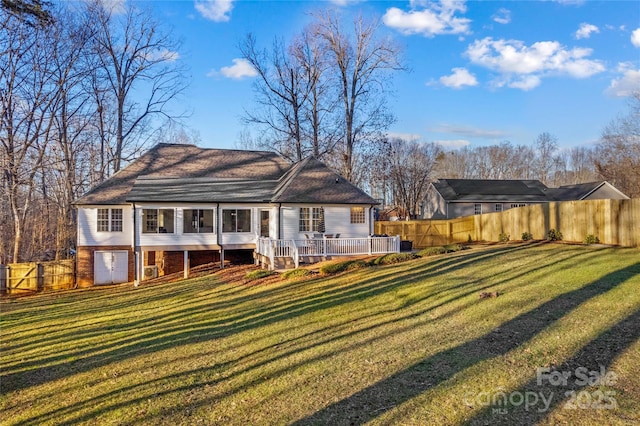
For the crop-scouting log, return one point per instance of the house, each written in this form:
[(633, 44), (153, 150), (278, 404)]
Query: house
[(178, 206), (451, 198)]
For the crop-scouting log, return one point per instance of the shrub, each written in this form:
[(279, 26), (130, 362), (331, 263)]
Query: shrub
[(503, 238), (591, 239), (256, 275), (554, 235), (431, 251), (391, 258), (296, 273), (469, 240), (347, 265), (526, 236)]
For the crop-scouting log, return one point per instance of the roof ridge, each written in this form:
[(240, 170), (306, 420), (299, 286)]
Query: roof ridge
[(289, 177)]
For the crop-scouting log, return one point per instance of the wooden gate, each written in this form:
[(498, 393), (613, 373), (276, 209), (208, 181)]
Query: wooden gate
[(16, 278)]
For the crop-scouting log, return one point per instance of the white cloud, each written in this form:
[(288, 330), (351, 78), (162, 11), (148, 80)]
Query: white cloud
[(344, 2), (502, 16), (523, 66), (404, 136), (163, 55), (215, 10), (429, 18), (116, 7), (453, 144), (461, 77), (585, 31), (470, 132), (627, 84), (525, 83), (635, 37), (240, 69)]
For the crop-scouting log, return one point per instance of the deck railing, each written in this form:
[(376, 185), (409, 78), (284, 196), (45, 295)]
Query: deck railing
[(296, 248)]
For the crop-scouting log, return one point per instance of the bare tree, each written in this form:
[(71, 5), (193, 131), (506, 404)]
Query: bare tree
[(546, 145), (135, 54), (362, 63), (31, 12), (618, 152), (411, 169), (25, 120), (282, 90)]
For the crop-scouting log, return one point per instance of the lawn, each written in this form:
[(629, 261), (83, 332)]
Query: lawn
[(411, 343)]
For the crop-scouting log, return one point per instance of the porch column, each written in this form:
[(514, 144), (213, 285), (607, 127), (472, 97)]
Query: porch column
[(186, 264), (221, 258), (138, 264)]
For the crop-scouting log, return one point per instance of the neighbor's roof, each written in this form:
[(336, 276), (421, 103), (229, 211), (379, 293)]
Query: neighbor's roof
[(583, 190), (491, 190), (185, 173)]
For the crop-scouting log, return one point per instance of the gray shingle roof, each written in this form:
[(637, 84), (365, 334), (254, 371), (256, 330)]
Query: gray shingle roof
[(491, 190), (201, 190), (573, 192), (185, 173), (311, 181), (479, 190), (187, 161)]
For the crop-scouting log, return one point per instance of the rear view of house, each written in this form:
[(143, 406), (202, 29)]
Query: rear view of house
[(180, 205)]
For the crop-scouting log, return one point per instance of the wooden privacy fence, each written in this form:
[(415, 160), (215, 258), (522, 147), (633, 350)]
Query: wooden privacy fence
[(427, 233), (612, 221), (17, 278)]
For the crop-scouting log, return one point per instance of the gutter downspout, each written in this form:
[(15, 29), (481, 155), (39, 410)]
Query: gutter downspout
[(136, 255), (218, 235), (279, 221), (371, 220)]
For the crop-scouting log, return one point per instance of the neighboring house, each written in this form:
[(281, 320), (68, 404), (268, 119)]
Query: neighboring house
[(451, 198), (178, 206)]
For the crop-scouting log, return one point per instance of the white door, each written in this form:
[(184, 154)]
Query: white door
[(110, 267)]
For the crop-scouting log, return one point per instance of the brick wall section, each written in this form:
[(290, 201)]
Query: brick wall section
[(84, 259), (169, 262)]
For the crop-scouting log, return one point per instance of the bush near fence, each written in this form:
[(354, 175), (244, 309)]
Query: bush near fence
[(615, 222), (25, 278)]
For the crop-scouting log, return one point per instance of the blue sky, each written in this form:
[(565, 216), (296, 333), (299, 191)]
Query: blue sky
[(481, 72)]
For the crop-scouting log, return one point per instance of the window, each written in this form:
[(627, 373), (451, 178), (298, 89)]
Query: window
[(197, 221), (477, 208), (499, 207), (103, 220), (517, 205), (116, 220), (158, 221), (311, 219), (109, 220), (236, 220), (357, 215)]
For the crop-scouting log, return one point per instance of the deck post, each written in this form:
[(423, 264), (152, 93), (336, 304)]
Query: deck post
[(186, 264)]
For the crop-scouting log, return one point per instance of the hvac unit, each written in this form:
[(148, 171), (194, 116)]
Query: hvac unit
[(150, 272)]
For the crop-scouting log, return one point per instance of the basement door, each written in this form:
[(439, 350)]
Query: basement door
[(110, 267)]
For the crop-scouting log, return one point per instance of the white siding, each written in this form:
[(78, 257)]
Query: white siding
[(88, 234), (337, 219)]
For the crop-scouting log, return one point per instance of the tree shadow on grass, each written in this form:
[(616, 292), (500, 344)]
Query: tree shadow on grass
[(185, 333), (592, 362), (181, 330), (371, 402)]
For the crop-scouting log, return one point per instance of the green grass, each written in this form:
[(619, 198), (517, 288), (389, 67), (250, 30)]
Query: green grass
[(410, 343), (257, 274)]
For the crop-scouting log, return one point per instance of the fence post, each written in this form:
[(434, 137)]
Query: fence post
[(40, 276), (3, 279)]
